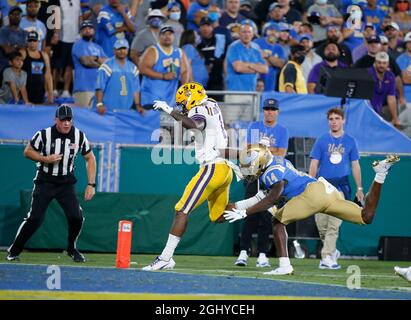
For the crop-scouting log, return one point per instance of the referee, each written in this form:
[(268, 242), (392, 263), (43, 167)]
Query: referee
[(55, 149)]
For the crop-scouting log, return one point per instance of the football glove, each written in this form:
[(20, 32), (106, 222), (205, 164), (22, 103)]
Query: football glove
[(234, 215), (162, 105)]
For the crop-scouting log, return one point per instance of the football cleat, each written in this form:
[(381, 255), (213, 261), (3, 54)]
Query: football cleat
[(10, 257), (262, 262), (242, 259), (404, 273), (329, 263), (76, 255), (383, 166), (160, 264), (281, 271)]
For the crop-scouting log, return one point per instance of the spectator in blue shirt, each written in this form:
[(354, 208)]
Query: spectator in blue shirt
[(275, 137), (31, 23), (198, 72), (373, 14), (333, 156), (114, 22), (273, 54), (118, 84), (244, 62), (88, 56), (404, 62), (12, 37), (163, 67), (197, 11)]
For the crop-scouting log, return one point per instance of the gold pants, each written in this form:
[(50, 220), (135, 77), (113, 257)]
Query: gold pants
[(316, 199)]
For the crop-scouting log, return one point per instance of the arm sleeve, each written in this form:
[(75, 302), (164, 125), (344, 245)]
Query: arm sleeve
[(282, 140), (290, 75), (316, 150), (36, 142), (136, 79), (104, 21), (85, 148), (102, 78), (391, 88), (273, 175)]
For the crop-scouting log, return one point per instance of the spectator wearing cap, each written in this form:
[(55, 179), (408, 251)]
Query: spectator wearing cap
[(392, 32), (31, 23), (275, 137), (334, 35), (291, 76), (163, 67), (384, 43), (13, 88), (37, 66), (367, 61), (213, 47), (361, 50), (374, 14), (273, 54), (331, 55), (54, 149), (195, 62), (290, 14), (114, 23), (87, 57), (246, 9), (404, 62), (231, 17), (118, 83), (12, 37), (327, 15), (198, 9), (384, 89), (148, 36), (174, 16), (276, 13), (401, 15), (284, 38), (311, 58)]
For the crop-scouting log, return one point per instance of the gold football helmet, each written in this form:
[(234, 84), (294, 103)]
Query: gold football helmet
[(253, 160), (190, 95)]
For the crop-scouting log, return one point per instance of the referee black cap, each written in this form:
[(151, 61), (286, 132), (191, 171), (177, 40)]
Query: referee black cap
[(63, 112)]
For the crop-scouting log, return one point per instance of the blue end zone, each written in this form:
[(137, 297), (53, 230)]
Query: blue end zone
[(33, 277)]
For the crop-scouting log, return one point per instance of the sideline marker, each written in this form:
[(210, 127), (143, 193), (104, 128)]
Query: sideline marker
[(125, 229)]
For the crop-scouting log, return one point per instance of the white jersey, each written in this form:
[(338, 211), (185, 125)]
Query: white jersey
[(214, 136)]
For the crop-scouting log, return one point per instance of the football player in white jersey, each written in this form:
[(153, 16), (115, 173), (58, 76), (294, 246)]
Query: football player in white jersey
[(212, 181)]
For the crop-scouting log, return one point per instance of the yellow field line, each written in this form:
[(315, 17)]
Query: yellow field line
[(74, 295)]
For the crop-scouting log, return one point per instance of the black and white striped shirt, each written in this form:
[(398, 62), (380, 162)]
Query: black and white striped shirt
[(49, 141)]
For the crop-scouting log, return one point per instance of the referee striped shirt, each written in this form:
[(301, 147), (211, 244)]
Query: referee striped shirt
[(49, 141)]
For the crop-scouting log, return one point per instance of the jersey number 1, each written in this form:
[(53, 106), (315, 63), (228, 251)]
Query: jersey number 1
[(123, 91)]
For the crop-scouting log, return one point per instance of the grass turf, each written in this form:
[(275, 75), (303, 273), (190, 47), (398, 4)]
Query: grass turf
[(374, 274)]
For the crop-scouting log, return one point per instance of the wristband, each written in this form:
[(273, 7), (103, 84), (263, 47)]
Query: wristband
[(359, 188), (99, 104)]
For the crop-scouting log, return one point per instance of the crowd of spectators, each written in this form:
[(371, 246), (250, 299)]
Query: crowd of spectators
[(69, 48)]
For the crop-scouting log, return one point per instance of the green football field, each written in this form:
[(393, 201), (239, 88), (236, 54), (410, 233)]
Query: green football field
[(373, 274)]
